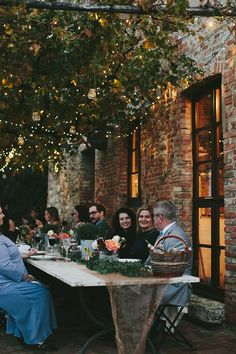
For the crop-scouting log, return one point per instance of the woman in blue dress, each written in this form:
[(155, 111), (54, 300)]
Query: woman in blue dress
[(28, 304)]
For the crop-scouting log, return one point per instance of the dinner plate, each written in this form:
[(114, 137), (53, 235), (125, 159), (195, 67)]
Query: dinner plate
[(40, 253), (130, 260), (45, 257)]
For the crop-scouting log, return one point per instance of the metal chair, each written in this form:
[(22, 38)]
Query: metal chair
[(2, 322), (166, 325)]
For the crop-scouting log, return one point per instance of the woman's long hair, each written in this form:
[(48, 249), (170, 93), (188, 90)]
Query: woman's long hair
[(117, 229), (83, 212), (53, 213), (4, 228)]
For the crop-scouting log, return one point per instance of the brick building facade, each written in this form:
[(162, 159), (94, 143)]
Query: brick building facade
[(166, 155)]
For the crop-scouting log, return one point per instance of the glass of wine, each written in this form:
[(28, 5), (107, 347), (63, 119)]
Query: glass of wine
[(52, 242), (38, 238), (66, 245)]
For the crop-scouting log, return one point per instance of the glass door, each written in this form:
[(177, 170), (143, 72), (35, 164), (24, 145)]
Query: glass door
[(208, 191)]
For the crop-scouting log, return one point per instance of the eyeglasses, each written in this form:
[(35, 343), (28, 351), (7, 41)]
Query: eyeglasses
[(93, 212), (156, 215)]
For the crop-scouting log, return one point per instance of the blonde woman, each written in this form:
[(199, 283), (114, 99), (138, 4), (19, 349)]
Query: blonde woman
[(146, 232)]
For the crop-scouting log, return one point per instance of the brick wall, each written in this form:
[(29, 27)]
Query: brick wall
[(166, 159), (111, 168), (166, 154), (229, 81)]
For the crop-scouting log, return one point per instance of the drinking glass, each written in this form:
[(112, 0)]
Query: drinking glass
[(52, 242), (66, 245), (38, 238)]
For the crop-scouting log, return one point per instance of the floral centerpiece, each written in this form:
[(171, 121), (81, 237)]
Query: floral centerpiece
[(108, 249), (26, 234), (52, 238)]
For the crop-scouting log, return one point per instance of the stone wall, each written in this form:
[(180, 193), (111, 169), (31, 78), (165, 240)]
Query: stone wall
[(72, 183)]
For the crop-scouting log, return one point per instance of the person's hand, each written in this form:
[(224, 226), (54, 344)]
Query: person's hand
[(32, 251), (28, 277)]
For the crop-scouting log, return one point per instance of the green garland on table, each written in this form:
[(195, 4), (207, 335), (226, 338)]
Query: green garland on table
[(135, 269)]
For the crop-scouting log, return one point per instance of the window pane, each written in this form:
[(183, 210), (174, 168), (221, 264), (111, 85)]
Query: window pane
[(220, 178), (203, 111), (204, 266), (204, 145), (204, 180), (218, 105), (134, 186), (134, 140), (219, 142), (134, 161), (222, 268), (204, 223), (222, 234)]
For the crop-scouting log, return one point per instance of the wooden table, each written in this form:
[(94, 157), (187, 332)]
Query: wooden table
[(133, 300)]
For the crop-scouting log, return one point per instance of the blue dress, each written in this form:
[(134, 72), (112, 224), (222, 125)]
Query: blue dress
[(28, 304)]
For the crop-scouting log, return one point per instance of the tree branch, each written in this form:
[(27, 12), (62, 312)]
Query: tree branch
[(125, 9)]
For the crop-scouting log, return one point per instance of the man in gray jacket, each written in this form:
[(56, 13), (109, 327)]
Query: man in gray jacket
[(165, 221)]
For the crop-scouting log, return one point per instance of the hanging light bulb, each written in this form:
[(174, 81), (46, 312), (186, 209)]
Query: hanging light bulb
[(21, 140)]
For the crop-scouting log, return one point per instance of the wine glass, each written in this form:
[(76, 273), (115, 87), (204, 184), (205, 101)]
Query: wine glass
[(66, 245), (38, 238), (52, 242)]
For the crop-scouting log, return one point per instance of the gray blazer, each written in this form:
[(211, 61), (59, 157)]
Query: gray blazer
[(170, 243), (177, 294)]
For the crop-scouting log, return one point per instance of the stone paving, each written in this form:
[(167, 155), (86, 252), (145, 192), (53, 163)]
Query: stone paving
[(69, 339)]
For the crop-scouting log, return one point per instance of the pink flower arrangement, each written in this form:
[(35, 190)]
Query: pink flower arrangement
[(112, 245), (63, 235), (109, 246), (60, 236)]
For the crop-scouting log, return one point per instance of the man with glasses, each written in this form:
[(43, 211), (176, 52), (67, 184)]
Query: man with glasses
[(165, 222), (97, 214)]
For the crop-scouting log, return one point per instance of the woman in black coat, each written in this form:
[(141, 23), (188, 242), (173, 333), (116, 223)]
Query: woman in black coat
[(146, 232), (124, 225)]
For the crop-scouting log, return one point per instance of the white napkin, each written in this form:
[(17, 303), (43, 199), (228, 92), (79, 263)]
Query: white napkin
[(24, 248)]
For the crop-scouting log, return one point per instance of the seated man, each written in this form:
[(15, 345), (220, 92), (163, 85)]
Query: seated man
[(165, 221), (97, 216)]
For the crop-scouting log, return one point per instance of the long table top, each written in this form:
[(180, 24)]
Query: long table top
[(77, 275)]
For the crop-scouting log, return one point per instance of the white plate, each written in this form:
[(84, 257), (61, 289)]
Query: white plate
[(39, 253), (42, 257), (130, 260)]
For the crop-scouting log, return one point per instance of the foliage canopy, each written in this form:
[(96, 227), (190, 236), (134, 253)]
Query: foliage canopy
[(66, 76)]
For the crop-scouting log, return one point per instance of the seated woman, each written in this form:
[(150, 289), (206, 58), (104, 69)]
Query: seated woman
[(28, 304), (80, 215), (9, 228), (124, 225), (52, 220), (147, 232)]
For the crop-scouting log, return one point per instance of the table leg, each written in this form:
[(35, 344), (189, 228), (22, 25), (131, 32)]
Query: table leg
[(133, 309)]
